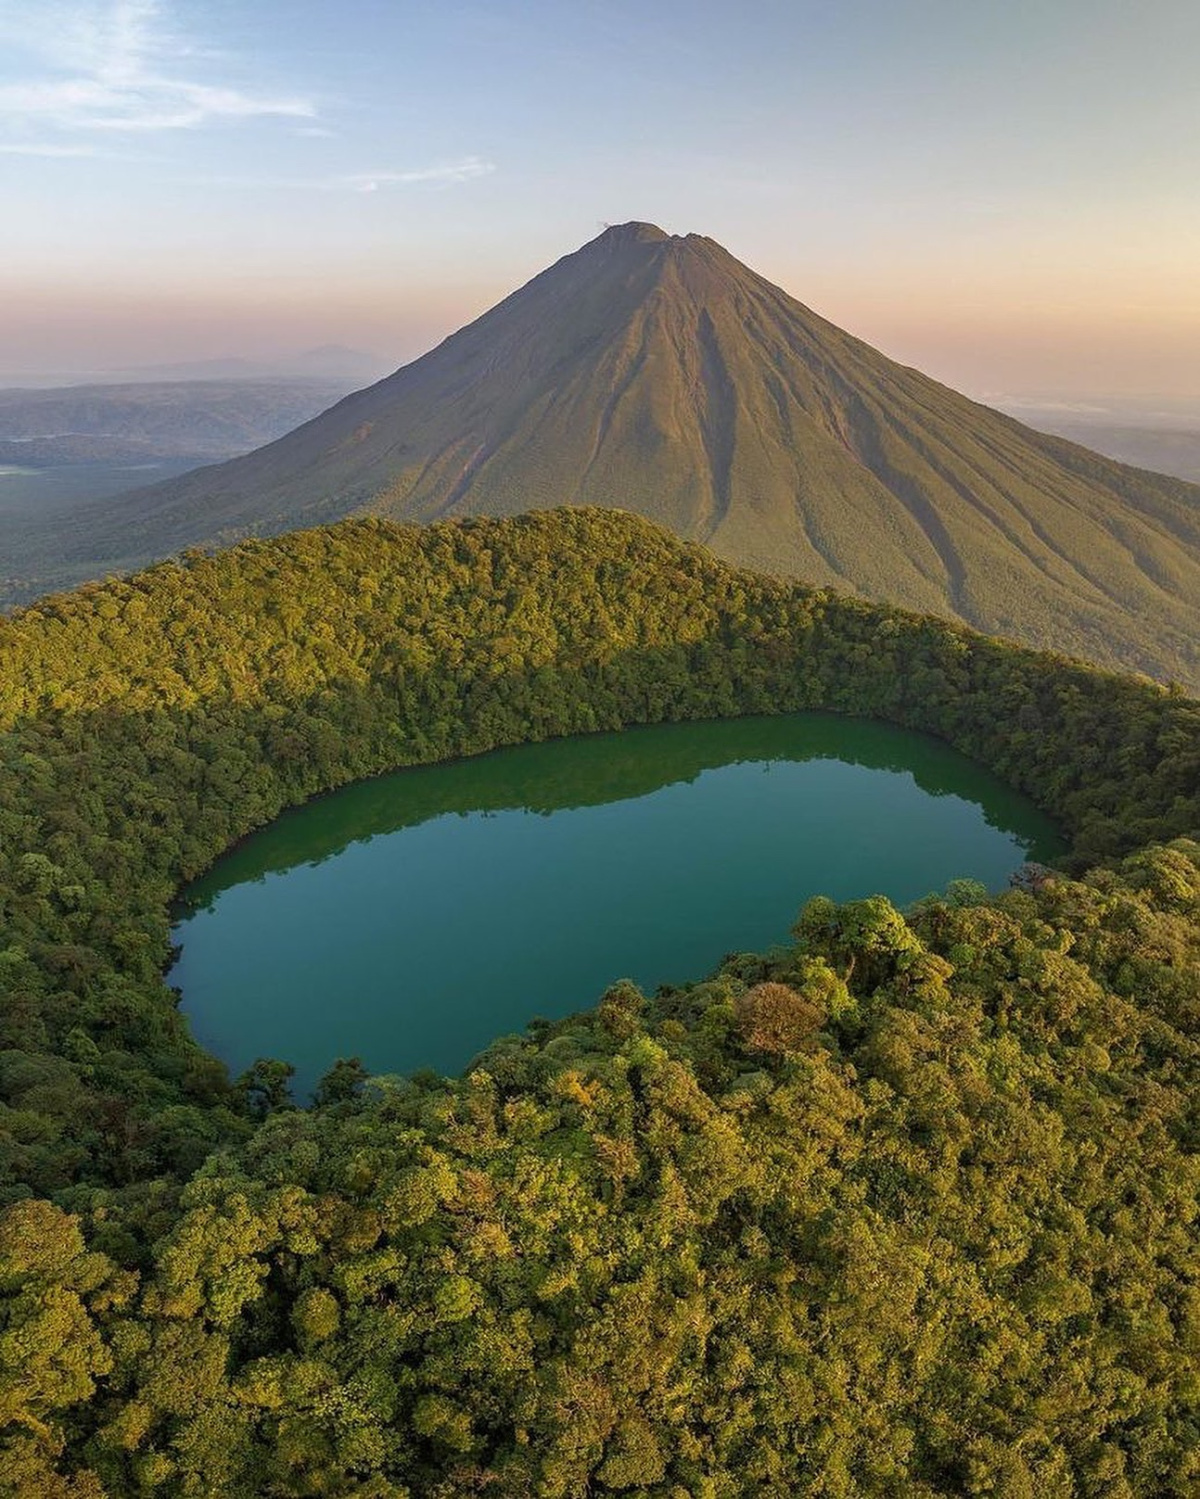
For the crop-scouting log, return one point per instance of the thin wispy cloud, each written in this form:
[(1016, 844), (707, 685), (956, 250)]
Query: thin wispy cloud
[(114, 66), (465, 170), (442, 174), (31, 148)]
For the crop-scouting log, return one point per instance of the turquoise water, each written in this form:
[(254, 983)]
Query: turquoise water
[(412, 919)]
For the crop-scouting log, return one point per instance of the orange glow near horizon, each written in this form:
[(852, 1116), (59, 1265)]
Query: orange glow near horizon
[(987, 332)]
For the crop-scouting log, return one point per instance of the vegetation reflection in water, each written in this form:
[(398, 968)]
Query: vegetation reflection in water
[(412, 919)]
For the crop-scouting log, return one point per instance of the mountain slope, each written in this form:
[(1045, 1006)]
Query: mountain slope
[(657, 373)]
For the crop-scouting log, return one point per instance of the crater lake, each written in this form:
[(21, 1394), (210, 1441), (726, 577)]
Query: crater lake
[(412, 919)]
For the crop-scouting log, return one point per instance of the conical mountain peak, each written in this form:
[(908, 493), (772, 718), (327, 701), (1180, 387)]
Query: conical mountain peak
[(636, 236), (633, 233), (656, 373)]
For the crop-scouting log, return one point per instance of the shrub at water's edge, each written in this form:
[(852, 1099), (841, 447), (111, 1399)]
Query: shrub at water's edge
[(836, 1221)]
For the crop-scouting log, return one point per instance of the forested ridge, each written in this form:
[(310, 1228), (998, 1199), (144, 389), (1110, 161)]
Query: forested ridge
[(907, 1207)]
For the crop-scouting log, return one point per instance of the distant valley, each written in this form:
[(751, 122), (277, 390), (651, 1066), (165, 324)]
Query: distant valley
[(1166, 442), (62, 447), (204, 420)]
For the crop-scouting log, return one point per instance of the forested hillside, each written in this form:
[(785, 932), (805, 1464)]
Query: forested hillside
[(907, 1207)]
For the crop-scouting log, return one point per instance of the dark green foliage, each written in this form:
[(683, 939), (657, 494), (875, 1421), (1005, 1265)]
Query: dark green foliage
[(906, 1208)]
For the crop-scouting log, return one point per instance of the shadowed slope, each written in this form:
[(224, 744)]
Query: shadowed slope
[(657, 373)]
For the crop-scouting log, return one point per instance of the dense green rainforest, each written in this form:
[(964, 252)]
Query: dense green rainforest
[(905, 1208)]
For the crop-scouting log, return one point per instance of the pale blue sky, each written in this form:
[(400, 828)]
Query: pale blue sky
[(1004, 194)]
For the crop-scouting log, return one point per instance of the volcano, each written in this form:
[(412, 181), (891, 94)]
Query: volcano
[(656, 373)]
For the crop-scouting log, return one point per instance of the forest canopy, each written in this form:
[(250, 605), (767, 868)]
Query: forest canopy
[(906, 1207)]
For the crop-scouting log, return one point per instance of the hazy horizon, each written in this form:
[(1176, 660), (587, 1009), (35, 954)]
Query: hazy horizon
[(1005, 200)]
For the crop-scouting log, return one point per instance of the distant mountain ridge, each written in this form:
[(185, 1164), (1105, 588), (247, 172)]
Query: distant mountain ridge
[(335, 363), (208, 419), (656, 373)]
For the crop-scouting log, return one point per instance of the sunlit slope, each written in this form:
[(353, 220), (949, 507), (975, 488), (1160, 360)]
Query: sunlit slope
[(657, 373)]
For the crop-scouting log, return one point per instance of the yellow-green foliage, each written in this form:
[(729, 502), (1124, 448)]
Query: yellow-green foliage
[(905, 1208)]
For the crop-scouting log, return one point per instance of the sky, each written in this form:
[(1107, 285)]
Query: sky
[(1004, 195)]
